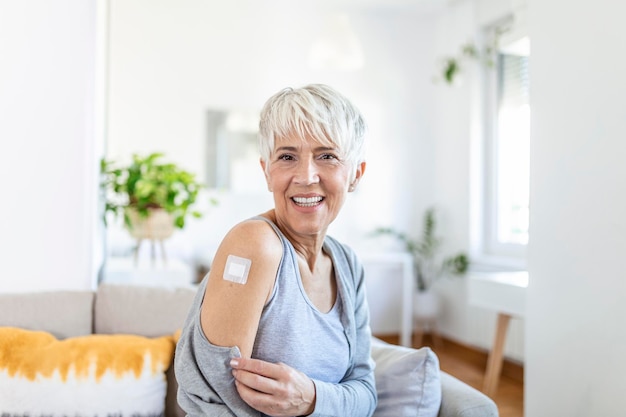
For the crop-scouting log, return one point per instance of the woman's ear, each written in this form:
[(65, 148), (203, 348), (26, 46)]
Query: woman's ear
[(360, 170), (265, 168)]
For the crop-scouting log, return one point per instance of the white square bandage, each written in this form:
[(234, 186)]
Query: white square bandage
[(237, 269)]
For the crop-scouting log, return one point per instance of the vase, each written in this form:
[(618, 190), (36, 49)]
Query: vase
[(159, 224)]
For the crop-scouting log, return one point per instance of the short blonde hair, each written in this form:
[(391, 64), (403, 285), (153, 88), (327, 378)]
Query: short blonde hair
[(314, 111)]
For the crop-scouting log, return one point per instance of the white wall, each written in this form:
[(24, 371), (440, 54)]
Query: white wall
[(172, 61), (48, 169), (575, 340)]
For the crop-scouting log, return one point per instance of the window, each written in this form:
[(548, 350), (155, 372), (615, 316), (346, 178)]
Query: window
[(506, 203)]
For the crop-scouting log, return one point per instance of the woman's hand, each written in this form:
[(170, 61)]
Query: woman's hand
[(273, 389)]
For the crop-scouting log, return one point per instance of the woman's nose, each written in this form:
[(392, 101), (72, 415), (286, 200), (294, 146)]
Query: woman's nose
[(307, 172)]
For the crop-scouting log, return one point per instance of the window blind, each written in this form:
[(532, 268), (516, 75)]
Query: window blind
[(513, 80)]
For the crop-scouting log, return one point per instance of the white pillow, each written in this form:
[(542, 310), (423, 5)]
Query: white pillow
[(95, 375), (408, 381)]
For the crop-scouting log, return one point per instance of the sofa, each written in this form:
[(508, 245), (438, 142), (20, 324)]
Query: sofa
[(155, 313)]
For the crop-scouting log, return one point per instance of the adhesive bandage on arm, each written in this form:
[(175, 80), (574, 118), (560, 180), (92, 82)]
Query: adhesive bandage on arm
[(237, 269)]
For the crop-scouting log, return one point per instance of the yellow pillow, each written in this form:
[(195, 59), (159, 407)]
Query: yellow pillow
[(82, 376)]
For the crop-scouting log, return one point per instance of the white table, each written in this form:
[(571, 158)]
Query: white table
[(505, 293), (389, 278)]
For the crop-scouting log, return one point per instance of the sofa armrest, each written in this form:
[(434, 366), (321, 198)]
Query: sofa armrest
[(461, 400)]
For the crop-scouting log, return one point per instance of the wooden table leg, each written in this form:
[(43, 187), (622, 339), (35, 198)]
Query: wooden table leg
[(494, 363), (421, 326), (434, 332)]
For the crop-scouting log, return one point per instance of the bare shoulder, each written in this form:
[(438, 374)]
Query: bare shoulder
[(232, 309), (255, 241), (252, 238)]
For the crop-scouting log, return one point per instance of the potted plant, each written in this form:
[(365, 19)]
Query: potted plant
[(428, 263), (153, 197)]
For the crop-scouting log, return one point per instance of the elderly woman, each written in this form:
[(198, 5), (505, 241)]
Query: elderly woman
[(280, 326)]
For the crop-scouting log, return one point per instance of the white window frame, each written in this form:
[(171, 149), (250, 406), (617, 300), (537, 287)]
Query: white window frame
[(492, 252)]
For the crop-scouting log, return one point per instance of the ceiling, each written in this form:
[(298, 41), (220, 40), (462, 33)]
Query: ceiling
[(414, 5)]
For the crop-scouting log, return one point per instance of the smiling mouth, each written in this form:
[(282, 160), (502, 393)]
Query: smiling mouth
[(307, 201)]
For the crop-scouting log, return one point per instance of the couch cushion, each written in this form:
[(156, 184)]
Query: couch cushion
[(62, 313), (461, 399), (142, 310), (95, 375), (408, 381), (148, 311)]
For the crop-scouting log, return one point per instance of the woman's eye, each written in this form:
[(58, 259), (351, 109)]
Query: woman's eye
[(328, 156), (285, 157)]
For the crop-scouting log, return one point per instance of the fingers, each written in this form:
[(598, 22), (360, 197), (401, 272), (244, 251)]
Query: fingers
[(274, 389), (256, 366), (259, 376)]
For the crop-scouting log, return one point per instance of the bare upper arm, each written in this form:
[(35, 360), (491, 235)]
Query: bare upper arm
[(231, 312)]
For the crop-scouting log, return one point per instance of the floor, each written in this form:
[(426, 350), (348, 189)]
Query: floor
[(510, 394), (469, 367)]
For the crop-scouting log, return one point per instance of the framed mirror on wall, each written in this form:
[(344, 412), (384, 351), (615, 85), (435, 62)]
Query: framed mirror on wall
[(232, 156)]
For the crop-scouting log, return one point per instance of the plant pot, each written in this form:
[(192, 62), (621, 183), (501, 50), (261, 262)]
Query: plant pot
[(158, 225), (425, 305)]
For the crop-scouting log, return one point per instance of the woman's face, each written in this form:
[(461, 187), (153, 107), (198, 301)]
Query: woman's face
[(309, 182)]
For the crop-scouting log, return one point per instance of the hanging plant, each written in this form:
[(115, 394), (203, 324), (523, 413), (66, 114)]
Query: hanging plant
[(452, 66)]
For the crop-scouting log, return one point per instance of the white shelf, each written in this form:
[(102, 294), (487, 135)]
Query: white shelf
[(503, 292)]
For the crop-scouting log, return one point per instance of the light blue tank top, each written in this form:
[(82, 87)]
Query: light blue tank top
[(293, 331)]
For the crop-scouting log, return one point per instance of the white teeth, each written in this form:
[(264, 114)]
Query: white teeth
[(307, 202)]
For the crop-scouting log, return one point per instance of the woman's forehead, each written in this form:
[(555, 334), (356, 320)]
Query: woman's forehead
[(299, 141)]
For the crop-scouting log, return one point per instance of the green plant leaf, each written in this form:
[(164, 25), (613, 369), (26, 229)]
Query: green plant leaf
[(425, 252), (450, 70), (147, 183), (179, 222)]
